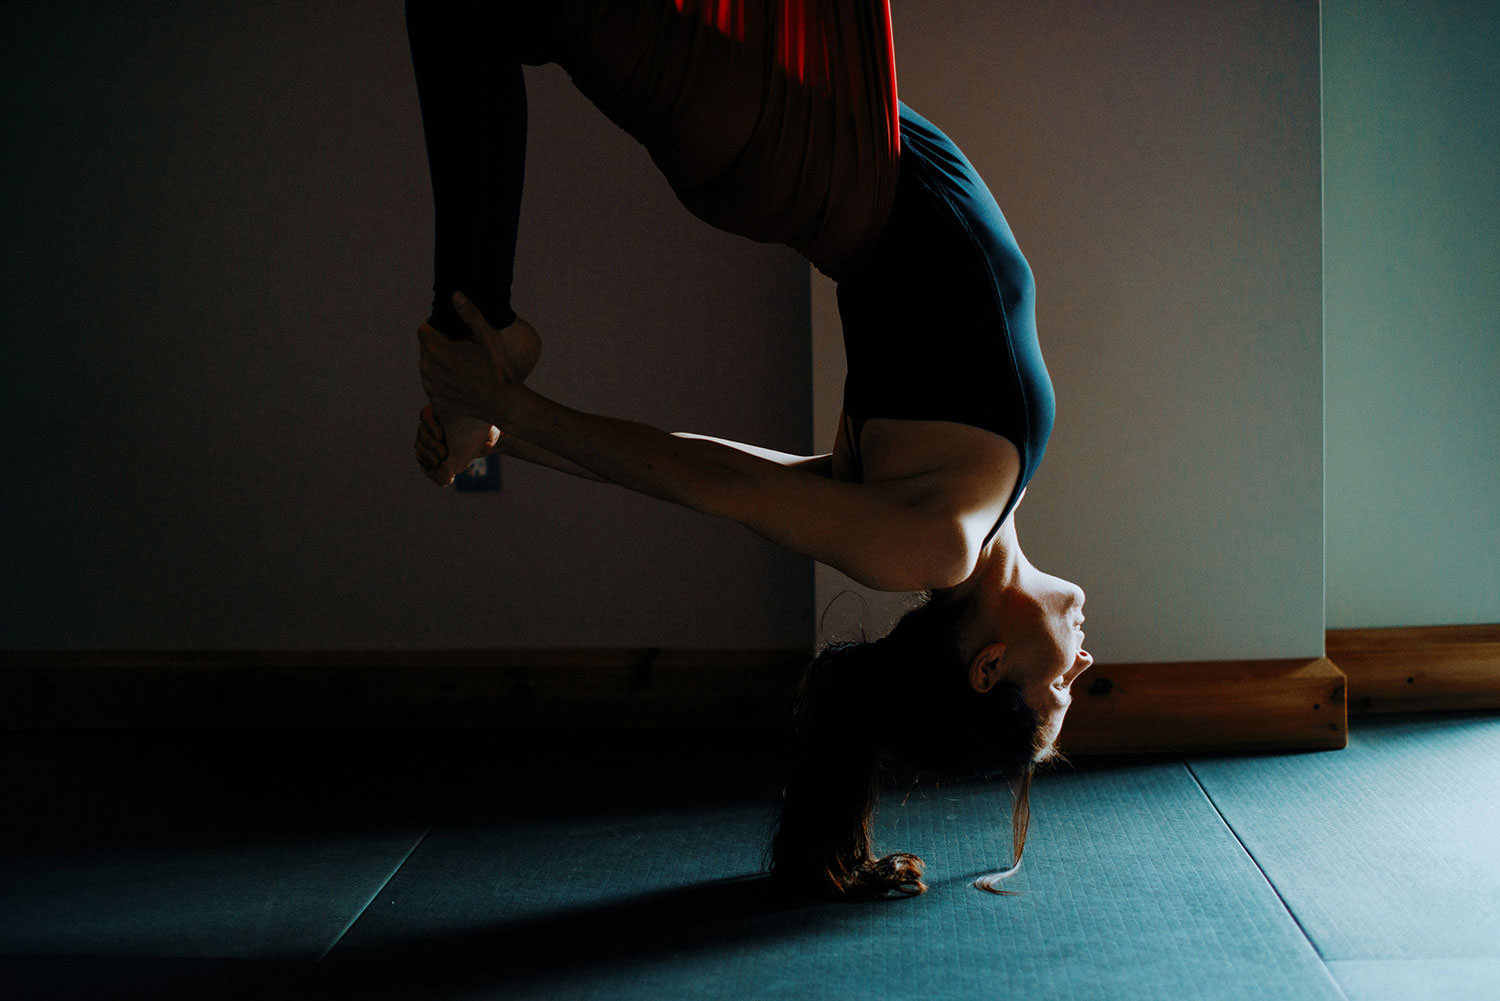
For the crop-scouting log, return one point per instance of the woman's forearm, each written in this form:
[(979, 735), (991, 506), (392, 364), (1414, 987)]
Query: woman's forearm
[(526, 451), (515, 447), (699, 473)]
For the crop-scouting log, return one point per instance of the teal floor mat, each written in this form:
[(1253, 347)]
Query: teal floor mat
[(115, 849), (1389, 849), (1418, 979), (224, 866), (1133, 889)]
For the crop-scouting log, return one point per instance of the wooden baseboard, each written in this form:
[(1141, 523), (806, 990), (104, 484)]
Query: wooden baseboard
[(1419, 669), (1123, 709), (532, 689), (1213, 706)]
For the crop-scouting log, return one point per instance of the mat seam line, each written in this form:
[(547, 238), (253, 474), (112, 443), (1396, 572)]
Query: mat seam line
[(1265, 876), (375, 896), (1251, 856)]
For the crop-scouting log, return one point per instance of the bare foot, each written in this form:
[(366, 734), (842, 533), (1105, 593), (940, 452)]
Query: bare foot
[(517, 346), (448, 442), (521, 346)]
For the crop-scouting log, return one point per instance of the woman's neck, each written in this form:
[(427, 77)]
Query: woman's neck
[(1000, 566)]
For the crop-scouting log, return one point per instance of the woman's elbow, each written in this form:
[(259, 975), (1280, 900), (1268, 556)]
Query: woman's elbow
[(939, 555), (952, 557)]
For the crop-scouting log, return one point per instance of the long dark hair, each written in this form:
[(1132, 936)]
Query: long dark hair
[(907, 697)]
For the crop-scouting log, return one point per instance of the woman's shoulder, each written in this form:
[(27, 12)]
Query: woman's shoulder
[(955, 469)]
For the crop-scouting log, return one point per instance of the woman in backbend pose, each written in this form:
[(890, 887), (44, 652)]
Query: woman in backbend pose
[(778, 120)]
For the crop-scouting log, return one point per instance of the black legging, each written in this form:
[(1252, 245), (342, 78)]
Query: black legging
[(772, 119)]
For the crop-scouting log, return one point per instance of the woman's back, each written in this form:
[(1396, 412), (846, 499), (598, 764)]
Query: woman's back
[(940, 320)]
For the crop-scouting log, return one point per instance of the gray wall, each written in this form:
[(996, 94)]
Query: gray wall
[(1412, 211), (1159, 164), (216, 235), (217, 238)]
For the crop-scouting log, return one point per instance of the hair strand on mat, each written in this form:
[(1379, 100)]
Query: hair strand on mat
[(1020, 822)]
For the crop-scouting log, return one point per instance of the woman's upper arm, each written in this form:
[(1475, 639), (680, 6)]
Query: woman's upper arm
[(881, 535)]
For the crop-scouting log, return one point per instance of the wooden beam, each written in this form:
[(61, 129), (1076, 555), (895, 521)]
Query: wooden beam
[(1419, 669), (1118, 709), (530, 689), (1207, 706)]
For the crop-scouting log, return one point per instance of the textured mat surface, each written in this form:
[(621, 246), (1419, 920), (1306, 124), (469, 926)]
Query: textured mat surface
[(249, 901), (163, 852), (1419, 979), (166, 872), (1133, 888), (1387, 850), (115, 978)]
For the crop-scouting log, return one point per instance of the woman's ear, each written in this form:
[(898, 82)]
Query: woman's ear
[(986, 669)]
